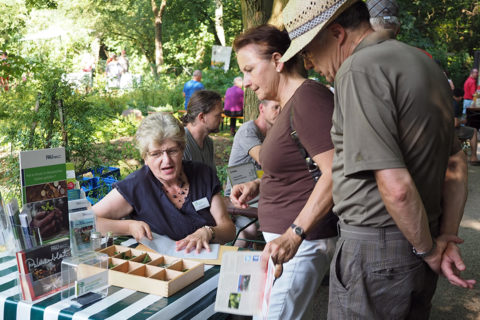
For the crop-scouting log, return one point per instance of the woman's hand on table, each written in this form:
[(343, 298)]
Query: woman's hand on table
[(195, 241), (139, 229), (244, 192)]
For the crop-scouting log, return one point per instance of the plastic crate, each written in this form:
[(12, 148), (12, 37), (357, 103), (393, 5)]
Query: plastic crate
[(100, 184), (89, 182), (105, 172)]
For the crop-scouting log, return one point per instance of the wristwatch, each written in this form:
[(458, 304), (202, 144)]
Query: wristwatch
[(299, 231), (423, 255)]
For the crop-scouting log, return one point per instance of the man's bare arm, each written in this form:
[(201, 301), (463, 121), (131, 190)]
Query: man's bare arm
[(404, 204), (255, 153), (454, 196)]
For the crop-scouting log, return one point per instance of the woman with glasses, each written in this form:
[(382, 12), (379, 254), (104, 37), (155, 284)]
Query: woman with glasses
[(168, 196)]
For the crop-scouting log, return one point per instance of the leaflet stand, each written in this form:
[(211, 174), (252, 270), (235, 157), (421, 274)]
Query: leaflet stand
[(33, 291), (85, 278)]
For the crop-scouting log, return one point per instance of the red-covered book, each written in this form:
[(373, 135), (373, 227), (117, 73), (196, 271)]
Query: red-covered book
[(40, 269)]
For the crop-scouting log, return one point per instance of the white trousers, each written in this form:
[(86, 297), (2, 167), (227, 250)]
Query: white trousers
[(292, 294)]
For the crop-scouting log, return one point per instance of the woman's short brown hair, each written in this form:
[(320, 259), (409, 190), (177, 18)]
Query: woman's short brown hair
[(270, 40), (201, 101)]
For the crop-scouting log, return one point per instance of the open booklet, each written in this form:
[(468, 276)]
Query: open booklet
[(244, 286), (166, 246)]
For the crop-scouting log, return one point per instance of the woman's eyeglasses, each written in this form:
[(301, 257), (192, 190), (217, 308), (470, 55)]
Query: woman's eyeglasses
[(170, 152)]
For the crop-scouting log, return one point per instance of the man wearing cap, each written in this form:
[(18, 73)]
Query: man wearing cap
[(399, 194), (384, 16)]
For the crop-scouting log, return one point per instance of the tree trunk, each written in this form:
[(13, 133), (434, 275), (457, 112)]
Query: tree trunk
[(49, 125), (34, 124), (276, 16), (254, 13), (62, 125), (219, 22), (157, 14)]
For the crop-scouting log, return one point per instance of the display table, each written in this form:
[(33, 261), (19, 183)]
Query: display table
[(195, 301)]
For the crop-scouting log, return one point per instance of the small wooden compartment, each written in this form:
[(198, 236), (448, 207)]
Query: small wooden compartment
[(151, 257), (164, 261), (114, 250), (150, 272), (113, 262)]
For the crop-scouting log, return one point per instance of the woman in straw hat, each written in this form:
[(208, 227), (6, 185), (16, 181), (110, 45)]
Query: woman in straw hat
[(294, 211)]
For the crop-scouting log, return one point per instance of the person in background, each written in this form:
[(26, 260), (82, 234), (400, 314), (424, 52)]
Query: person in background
[(294, 209), (450, 81), (123, 61), (113, 72), (246, 147), (164, 195), (233, 104), (464, 132), (384, 16), (204, 115), (249, 138), (398, 192), (193, 85), (469, 87)]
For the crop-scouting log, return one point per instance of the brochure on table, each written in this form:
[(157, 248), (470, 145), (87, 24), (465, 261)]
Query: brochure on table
[(82, 223), (166, 246), (244, 285), (44, 191)]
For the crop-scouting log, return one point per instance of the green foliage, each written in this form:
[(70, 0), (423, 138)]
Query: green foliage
[(13, 16), (41, 4), (447, 29), (218, 80)]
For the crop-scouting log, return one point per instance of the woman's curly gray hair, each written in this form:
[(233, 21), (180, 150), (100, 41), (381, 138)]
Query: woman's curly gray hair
[(157, 128)]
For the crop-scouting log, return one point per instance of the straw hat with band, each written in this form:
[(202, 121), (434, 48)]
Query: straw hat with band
[(305, 19)]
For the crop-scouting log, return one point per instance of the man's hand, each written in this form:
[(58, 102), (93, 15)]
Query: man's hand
[(447, 261), (282, 249), (452, 264), (435, 259), (244, 192)]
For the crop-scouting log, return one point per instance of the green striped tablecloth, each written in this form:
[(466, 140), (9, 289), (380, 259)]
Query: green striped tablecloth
[(193, 302)]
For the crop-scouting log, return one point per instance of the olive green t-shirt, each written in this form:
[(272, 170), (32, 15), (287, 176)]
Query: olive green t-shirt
[(392, 110)]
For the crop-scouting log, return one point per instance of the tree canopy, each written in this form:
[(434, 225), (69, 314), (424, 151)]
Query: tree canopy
[(445, 28)]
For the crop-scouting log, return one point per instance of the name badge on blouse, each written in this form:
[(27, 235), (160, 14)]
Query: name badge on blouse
[(201, 204)]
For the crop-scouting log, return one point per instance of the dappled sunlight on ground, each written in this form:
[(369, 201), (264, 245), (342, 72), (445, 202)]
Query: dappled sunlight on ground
[(471, 223)]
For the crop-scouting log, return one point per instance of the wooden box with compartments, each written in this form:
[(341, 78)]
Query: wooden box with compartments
[(150, 272)]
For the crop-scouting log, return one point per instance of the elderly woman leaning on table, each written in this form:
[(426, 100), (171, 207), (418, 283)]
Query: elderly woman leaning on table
[(179, 199), (294, 211)]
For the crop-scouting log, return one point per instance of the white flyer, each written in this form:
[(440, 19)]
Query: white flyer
[(166, 246)]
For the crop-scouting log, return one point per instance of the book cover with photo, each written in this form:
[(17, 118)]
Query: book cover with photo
[(43, 174), (50, 217), (40, 269), (244, 286), (44, 191)]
